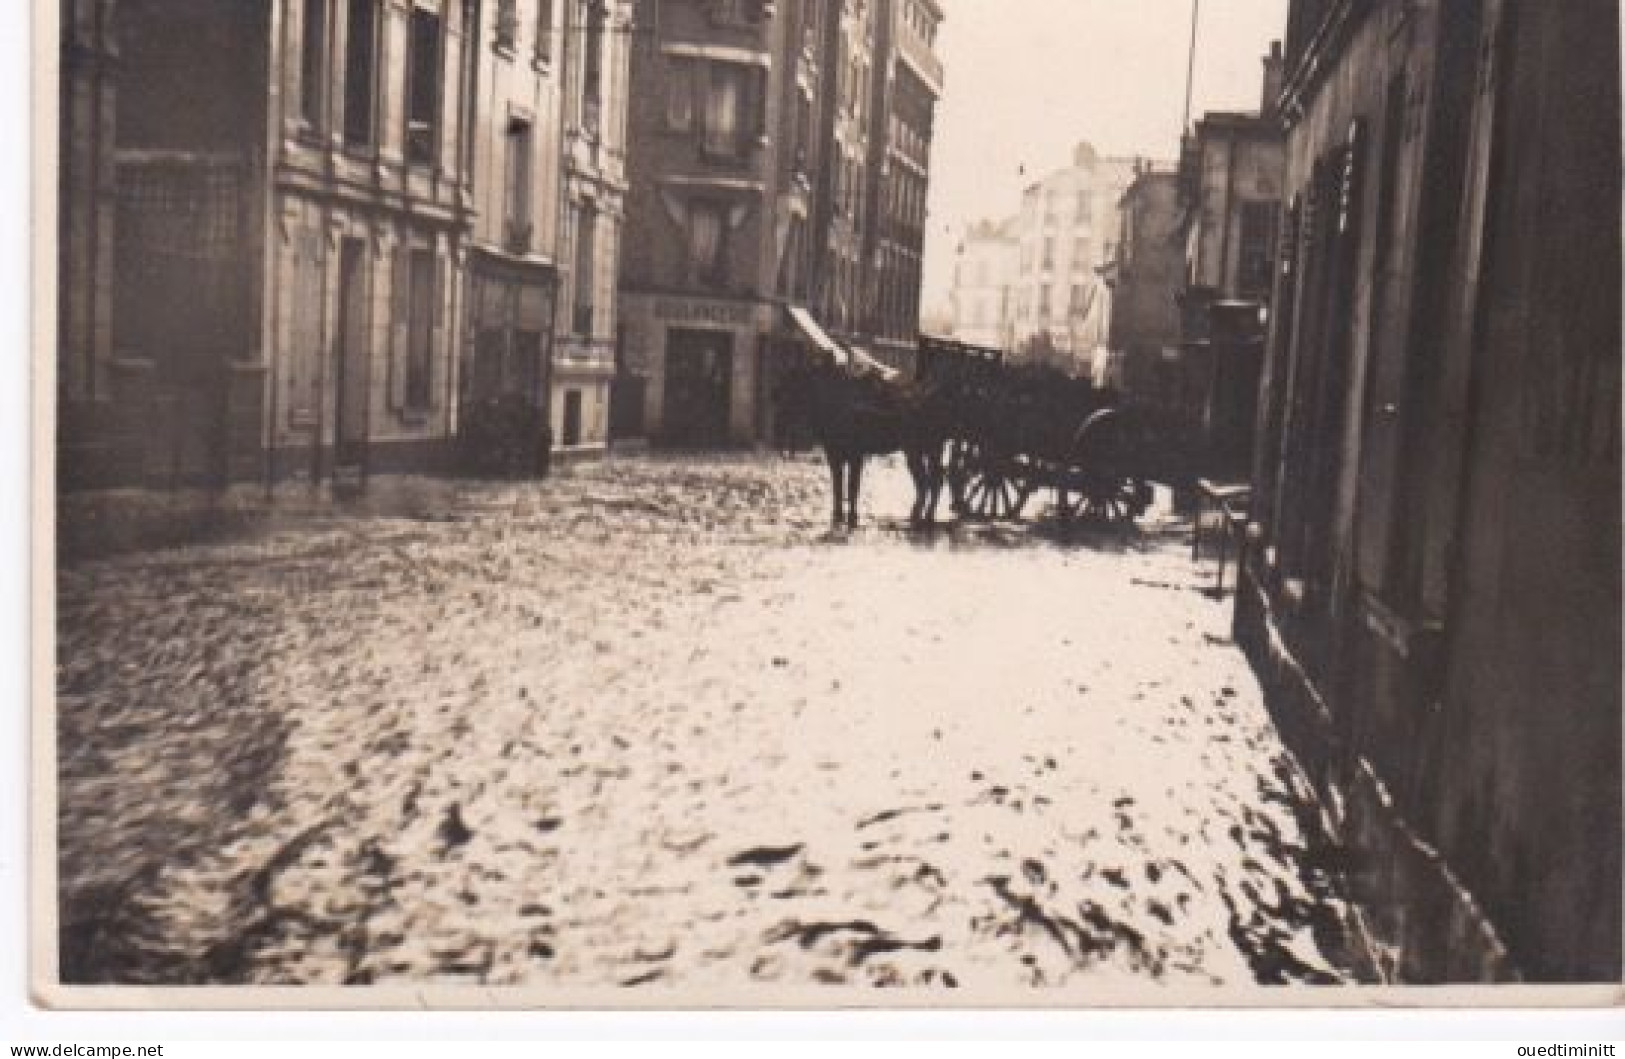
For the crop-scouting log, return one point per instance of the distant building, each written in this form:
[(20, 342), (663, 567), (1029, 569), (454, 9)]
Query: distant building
[(984, 281), (1432, 591), (1145, 275), (1067, 229)]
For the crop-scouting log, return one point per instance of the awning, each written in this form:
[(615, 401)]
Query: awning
[(864, 364), (809, 327)]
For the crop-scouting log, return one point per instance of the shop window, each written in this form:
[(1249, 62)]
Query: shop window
[(360, 72), (423, 87)]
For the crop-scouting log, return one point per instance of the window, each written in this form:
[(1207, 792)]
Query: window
[(1085, 209), (680, 94), (544, 30), (735, 12), (360, 75), (1256, 268), (420, 329), (707, 254), (520, 147), (592, 63), (1043, 301), (507, 24), (1080, 253), (804, 131), (1049, 252), (726, 103), (313, 69), (1080, 300), (423, 88), (586, 277)]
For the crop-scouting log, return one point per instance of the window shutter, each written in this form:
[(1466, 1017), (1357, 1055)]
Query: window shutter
[(438, 364), (400, 318)]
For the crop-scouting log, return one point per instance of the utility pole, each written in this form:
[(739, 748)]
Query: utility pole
[(1190, 67)]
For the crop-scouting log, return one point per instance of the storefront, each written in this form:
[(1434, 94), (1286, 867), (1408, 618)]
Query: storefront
[(706, 365), (510, 318)]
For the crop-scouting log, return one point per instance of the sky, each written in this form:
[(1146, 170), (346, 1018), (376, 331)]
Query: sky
[(1028, 79)]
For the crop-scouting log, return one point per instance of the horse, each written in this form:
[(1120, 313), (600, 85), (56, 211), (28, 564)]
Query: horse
[(853, 415)]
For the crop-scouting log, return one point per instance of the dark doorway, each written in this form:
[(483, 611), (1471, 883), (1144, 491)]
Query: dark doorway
[(572, 417), (350, 375), (699, 377)]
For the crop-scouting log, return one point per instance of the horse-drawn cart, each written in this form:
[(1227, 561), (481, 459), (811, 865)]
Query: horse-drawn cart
[(1020, 430)]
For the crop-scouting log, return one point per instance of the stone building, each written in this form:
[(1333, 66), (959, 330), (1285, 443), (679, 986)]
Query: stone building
[(1230, 177), (99, 434), (984, 279), (1067, 229), (1431, 591), (370, 213), (1144, 276), (261, 275), (514, 258), (595, 48), (752, 212), (906, 89)]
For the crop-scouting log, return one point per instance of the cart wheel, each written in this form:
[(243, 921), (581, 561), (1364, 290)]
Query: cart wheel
[(992, 494)]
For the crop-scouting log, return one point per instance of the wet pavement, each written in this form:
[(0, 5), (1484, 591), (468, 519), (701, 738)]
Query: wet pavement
[(651, 723)]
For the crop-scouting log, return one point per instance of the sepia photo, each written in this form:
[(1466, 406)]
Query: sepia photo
[(827, 503)]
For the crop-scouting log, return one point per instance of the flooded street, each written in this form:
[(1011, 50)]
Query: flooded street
[(650, 723)]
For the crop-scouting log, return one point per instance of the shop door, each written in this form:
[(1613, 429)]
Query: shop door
[(699, 375)]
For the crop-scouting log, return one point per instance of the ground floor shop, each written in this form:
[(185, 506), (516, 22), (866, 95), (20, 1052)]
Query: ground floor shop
[(706, 368)]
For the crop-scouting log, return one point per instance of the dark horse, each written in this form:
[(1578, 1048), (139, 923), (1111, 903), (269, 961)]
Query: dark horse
[(854, 414)]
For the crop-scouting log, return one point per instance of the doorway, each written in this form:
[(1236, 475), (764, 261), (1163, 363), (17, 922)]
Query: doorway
[(699, 387)]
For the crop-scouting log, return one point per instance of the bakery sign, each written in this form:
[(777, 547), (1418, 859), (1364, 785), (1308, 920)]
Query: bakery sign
[(704, 311)]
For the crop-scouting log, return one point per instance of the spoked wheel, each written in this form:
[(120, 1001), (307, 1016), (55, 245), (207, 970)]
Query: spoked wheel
[(1106, 501), (992, 492)]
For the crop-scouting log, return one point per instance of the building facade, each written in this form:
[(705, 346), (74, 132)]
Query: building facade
[(99, 436), (514, 257), (1230, 179), (262, 275), (906, 89), (595, 45), (371, 211), (1145, 276), (1067, 229), (756, 129), (1432, 587), (984, 282)]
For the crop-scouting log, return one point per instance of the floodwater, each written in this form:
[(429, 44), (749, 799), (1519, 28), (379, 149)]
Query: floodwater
[(651, 723)]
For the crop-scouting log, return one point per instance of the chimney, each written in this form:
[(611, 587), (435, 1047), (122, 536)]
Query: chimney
[(1274, 71)]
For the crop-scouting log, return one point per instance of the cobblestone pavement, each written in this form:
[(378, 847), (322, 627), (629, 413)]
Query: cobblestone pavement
[(650, 722)]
